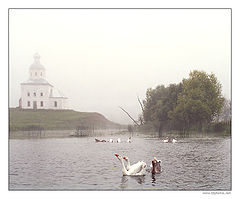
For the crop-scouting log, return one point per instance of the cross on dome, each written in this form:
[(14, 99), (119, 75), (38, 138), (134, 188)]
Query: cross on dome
[(36, 64), (36, 56)]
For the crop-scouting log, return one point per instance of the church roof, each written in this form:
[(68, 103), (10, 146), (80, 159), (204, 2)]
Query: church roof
[(36, 64), (54, 92), (36, 81)]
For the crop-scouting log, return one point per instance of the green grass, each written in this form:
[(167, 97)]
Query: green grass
[(56, 119)]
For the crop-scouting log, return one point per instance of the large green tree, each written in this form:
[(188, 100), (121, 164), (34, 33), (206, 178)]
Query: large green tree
[(225, 114), (199, 102), (193, 103), (158, 103)]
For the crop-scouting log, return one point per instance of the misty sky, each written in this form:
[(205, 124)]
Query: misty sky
[(102, 59)]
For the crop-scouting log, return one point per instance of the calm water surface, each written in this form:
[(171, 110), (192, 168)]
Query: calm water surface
[(82, 164)]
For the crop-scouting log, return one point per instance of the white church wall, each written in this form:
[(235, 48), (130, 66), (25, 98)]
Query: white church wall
[(65, 103), (31, 89), (60, 103)]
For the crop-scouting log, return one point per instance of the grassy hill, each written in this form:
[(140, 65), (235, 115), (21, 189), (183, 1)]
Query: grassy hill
[(56, 119)]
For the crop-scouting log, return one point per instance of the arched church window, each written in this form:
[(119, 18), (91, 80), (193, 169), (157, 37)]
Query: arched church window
[(28, 94), (34, 94)]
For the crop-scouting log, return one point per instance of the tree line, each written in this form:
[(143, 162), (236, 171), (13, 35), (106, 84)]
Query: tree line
[(193, 104)]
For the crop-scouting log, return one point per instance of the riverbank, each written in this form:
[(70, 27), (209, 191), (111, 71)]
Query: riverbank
[(105, 132), (32, 120), (63, 133), (192, 134)]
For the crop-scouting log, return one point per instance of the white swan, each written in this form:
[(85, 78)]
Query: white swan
[(174, 140), (165, 140), (169, 140), (133, 171), (118, 140), (129, 140), (129, 166)]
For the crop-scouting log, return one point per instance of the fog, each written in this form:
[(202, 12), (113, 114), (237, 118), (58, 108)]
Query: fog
[(103, 59)]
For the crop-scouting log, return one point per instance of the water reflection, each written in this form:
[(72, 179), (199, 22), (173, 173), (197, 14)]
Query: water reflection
[(138, 179), (153, 179), (124, 179)]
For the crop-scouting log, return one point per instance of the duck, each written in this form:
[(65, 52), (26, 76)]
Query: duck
[(129, 140), (97, 140), (166, 140), (156, 161), (138, 170), (174, 140), (169, 140), (118, 140), (110, 140), (156, 166)]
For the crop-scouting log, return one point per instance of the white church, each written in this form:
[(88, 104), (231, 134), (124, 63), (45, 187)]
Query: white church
[(37, 93)]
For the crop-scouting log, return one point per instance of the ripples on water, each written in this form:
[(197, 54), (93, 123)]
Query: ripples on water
[(82, 164)]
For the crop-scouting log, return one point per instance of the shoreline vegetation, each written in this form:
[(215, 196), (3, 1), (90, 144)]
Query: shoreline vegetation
[(106, 133), (195, 107), (39, 134), (31, 124)]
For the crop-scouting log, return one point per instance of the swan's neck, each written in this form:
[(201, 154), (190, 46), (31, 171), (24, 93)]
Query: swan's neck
[(128, 163), (124, 170)]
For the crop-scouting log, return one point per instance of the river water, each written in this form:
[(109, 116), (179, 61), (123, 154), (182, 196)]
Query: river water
[(82, 164)]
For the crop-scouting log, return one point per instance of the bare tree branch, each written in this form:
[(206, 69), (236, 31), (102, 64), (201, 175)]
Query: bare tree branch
[(140, 103), (129, 116)]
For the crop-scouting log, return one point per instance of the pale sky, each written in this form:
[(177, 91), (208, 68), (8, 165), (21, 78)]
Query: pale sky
[(102, 59)]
